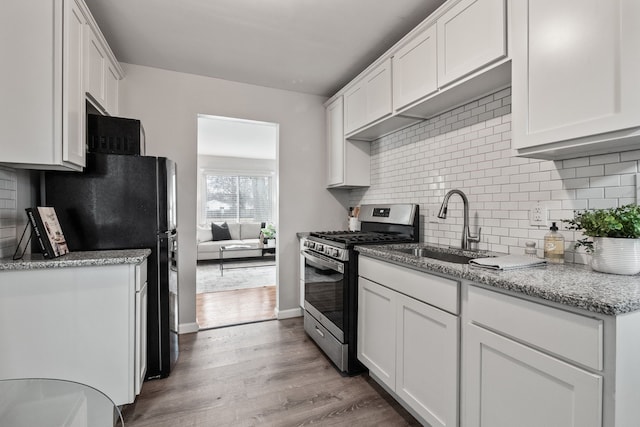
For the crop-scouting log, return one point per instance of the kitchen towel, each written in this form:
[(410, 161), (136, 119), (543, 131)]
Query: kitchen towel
[(507, 262)]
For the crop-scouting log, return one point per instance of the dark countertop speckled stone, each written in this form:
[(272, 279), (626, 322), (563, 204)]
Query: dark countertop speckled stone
[(569, 284), (77, 259)]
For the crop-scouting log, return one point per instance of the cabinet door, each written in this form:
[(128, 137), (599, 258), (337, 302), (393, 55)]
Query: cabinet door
[(378, 92), (335, 142), (95, 64), (370, 98), (415, 70), (575, 70), (427, 361), (142, 298), (73, 91), (301, 266), (508, 384), (355, 108), (471, 35), (111, 83), (377, 330)]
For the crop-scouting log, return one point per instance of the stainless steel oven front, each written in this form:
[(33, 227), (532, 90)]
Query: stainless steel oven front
[(325, 288)]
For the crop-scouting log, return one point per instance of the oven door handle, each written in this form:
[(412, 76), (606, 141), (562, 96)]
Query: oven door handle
[(321, 262)]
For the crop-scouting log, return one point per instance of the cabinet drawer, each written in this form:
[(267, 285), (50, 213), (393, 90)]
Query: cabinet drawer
[(434, 290), (569, 335)]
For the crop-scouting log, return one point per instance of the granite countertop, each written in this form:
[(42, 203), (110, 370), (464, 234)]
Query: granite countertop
[(77, 259), (569, 284)]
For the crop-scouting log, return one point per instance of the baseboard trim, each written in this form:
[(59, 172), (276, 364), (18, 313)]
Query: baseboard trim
[(286, 314), (188, 328)]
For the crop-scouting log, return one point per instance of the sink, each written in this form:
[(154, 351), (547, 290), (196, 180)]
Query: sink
[(439, 255)]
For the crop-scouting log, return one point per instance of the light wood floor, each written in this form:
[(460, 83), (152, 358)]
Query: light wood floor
[(216, 309), (260, 374)]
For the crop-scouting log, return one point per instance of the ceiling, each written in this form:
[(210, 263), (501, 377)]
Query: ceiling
[(309, 46), (221, 136)]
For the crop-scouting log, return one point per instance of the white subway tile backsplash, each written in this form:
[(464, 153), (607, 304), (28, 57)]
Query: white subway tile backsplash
[(470, 148), (8, 211), (573, 163), (590, 193), (621, 168)]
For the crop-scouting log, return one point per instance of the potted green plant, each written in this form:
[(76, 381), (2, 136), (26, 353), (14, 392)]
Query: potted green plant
[(269, 235), (612, 237)]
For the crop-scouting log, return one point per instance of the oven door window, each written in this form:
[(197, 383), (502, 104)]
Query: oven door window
[(323, 289)]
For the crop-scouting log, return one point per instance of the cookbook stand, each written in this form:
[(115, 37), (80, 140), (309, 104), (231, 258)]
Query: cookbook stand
[(15, 254)]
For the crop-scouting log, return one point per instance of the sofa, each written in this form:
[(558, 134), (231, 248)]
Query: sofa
[(240, 234)]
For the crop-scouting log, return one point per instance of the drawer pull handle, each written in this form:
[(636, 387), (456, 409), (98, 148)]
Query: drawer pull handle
[(319, 332)]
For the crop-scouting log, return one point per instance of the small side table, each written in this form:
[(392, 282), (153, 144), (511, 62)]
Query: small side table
[(224, 249)]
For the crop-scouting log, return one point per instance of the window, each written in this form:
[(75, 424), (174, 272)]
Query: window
[(237, 198)]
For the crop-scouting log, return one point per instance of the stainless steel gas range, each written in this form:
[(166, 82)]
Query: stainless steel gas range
[(331, 277)]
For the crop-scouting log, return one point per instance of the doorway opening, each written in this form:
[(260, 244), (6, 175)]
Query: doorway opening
[(237, 221)]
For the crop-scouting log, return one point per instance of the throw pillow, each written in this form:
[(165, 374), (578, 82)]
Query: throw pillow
[(220, 232)]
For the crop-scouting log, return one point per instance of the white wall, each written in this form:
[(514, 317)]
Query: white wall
[(168, 104), (470, 148)]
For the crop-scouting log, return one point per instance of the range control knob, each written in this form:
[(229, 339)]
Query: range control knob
[(335, 253), (320, 247)]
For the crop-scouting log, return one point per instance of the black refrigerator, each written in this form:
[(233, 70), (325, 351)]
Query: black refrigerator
[(124, 202)]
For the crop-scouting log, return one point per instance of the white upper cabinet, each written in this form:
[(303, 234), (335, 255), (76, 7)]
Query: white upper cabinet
[(348, 162), (456, 55), (43, 105), (73, 106), (112, 80), (335, 142), (102, 72), (369, 99), (471, 35), (96, 66), (415, 71), (575, 77)]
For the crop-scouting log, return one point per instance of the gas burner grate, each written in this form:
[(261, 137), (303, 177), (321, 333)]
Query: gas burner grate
[(359, 237)]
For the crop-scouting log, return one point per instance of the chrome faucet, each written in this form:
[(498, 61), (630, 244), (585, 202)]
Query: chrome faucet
[(466, 233)]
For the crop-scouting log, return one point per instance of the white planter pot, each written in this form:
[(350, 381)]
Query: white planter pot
[(616, 255), (271, 243)]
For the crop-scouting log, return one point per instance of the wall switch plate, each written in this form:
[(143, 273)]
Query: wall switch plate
[(538, 215)]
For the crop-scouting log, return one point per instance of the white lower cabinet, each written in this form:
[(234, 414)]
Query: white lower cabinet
[(85, 324), (411, 347), (377, 331), (142, 299), (509, 384), (521, 368), (427, 361), (458, 353)]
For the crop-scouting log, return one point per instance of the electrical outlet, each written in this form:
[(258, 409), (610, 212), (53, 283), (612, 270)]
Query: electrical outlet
[(538, 215)]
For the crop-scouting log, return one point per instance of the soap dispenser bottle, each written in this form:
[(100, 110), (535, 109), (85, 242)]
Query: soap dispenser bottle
[(554, 245)]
